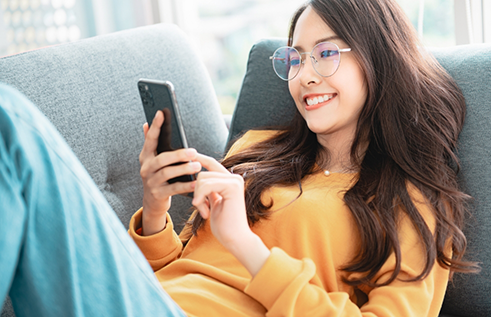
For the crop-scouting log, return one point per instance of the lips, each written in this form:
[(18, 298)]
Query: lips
[(317, 101)]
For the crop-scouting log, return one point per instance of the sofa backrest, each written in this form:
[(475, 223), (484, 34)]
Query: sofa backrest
[(88, 89), (264, 100)]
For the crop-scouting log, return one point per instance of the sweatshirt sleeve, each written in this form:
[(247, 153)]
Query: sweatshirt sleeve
[(159, 249), (285, 286)]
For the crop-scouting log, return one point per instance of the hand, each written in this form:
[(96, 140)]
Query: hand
[(156, 170), (219, 197)]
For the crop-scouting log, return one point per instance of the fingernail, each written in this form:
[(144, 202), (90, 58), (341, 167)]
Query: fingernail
[(196, 165), (190, 152)]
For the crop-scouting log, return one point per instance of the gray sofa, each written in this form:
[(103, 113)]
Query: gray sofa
[(88, 90)]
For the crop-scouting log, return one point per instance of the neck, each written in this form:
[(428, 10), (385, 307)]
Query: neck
[(339, 149)]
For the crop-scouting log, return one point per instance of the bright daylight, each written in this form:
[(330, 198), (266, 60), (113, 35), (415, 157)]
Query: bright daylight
[(208, 158)]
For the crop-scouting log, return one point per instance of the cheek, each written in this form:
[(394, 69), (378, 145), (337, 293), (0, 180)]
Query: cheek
[(361, 83), (294, 88), (355, 86)]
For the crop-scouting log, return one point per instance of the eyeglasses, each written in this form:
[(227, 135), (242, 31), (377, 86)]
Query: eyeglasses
[(325, 56)]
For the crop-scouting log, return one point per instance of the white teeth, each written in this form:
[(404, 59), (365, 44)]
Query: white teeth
[(318, 100)]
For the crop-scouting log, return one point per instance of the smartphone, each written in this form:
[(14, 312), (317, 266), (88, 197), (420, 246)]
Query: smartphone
[(160, 95)]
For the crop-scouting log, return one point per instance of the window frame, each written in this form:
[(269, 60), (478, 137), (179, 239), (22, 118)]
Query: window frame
[(472, 21)]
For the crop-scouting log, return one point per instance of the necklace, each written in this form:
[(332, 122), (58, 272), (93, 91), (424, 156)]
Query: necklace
[(327, 172)]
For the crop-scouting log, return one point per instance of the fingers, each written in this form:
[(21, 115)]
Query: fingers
[(211, 164), (172, 157), (145, 129), (162, 167), (174, 171), (213, 187), (164, 191), (152, 135), (205, 208)]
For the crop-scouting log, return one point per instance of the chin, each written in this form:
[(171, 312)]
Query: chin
[(318, 129)]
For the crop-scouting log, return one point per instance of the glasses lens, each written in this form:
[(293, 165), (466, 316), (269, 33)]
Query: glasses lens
[(286, 62), (326, 58)]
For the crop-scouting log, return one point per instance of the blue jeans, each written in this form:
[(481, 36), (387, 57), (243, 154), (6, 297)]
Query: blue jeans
[(63, 251)]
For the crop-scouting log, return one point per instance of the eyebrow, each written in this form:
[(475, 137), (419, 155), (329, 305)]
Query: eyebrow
[(325, 39)]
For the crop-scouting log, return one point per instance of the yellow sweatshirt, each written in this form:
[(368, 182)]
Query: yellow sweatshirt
[(310, 239)]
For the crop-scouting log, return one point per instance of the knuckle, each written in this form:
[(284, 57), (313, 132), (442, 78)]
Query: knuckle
[(238, 178), (155, 193), (161, 159), (143, 171), (238, 182), (183, 187), (152, 131), (164, 174), (142, 157), (200, 176), (191, 167)]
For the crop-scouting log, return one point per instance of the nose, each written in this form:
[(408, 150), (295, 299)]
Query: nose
[(308, 75)]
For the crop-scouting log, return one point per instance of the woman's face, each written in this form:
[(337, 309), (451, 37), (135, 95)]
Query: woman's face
[(346, 89)]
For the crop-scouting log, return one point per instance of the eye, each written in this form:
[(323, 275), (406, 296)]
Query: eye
[(294, 61), (328, 53)]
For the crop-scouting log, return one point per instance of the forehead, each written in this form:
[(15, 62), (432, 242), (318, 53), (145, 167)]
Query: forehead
[(310, 29)]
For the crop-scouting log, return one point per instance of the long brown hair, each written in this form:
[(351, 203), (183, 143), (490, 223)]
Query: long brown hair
[(411, 119)]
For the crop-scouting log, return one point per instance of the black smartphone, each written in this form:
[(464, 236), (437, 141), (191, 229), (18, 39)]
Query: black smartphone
[(160, 95)]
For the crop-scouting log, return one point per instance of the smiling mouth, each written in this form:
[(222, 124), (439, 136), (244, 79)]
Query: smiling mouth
[(316, 102)]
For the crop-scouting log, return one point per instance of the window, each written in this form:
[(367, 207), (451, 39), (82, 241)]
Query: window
[(473, 21), (223, 31), (226, 30), (433, 20), (31, 24)]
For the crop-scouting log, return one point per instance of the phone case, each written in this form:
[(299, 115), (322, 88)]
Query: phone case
[(160, 95)]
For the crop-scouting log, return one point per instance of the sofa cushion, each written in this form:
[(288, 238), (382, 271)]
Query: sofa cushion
[(88, 89), (264, 100), (470, 66)]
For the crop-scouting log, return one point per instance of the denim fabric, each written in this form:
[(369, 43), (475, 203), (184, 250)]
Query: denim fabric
[(63, 251)]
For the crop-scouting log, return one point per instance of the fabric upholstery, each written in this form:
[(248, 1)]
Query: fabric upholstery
[(88, 90), (264, 100), (470, 66)]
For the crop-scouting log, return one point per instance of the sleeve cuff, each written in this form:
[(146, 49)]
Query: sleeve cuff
[(160, 248), (274, 278)]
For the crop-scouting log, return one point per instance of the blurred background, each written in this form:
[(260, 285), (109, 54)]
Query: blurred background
[(222, 31)]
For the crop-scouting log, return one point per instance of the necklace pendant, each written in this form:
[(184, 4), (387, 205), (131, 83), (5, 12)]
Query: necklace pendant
[(327, 173)]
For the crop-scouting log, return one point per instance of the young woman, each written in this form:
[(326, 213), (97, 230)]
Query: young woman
[(351, 210)]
